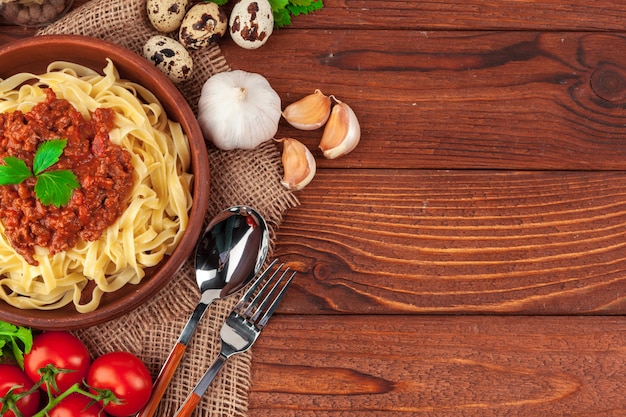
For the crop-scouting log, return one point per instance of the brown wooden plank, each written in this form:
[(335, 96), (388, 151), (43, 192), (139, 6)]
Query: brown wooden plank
[(468, 15), (503, 100), (388, 241), (439, 366), (507, 100), (578, 15)]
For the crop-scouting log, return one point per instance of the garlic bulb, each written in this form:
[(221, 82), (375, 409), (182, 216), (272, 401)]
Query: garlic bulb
[(298, 164), (238, 110)]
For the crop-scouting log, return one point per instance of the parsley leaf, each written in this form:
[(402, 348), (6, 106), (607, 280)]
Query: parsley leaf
[(55, 187), (14, 171), (297, 8), (48, 154), (283, 10), (282, 18), (51, 187), (278, 5), (19, 339), (303, 3)]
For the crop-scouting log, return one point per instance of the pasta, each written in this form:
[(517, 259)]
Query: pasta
[(158, 206)]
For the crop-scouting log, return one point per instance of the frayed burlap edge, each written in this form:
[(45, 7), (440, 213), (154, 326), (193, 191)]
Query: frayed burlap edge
[(237, 177)]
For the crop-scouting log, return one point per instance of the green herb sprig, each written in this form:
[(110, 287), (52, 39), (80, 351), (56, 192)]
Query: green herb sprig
[(283, 10), (51, 187), (15, 341)]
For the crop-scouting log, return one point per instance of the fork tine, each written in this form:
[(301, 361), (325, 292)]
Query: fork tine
[(257, 297), (257, 301), (270, 295), (272, 307), (248, 294)]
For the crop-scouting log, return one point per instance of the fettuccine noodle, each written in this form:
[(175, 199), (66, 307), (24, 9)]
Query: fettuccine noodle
[(159, 202)]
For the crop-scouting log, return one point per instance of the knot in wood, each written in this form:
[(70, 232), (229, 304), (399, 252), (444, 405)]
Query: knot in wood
[(609, 83), (321, 271)]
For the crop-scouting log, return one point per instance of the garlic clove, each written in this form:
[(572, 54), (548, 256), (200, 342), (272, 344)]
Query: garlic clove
[(342, 132), (308, 113), (298, 164)]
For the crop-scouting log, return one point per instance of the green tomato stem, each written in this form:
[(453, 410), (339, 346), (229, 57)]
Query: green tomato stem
[(54, 401), (47, 382)]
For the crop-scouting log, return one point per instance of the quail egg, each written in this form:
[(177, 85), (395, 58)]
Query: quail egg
[(170, 56), (251, 23), (166, 15), (204, 23)]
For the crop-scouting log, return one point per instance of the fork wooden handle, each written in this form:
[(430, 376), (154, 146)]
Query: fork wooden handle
[(163, 380)]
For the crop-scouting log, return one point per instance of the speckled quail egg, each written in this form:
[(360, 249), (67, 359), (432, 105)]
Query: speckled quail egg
[(251, 23), (166, 15), (170, 56), (204, 23)]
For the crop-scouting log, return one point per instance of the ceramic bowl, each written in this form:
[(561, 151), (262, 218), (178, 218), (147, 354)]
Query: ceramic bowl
[(33, 55)]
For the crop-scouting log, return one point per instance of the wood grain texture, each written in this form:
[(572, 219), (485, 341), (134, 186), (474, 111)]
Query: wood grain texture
[(489, 180), (439, 366), (467, 259), (468, 15), (389, 242), (513, 15), (456, 100)]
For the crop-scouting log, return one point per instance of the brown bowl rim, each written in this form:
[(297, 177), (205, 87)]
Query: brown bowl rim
[(132, 296)]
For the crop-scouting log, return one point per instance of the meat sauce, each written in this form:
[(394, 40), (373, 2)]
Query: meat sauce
[(103, 170)]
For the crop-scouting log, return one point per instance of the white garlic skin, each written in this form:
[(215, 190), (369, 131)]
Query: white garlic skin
[(238, 110), (170, 56), (251, 23), (166, 15), (204, 24)]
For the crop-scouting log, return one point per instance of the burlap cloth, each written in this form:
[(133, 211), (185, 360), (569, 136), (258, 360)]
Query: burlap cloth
[(237, 177)]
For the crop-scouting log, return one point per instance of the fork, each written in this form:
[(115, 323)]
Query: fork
[(242, 327)]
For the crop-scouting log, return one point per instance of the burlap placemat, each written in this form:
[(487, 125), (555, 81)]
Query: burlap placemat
[(237, 177)]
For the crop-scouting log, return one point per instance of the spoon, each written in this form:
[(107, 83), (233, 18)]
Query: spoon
[(229, 254)]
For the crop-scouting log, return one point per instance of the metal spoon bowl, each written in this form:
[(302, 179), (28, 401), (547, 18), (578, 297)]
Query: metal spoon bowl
[(229, 254)]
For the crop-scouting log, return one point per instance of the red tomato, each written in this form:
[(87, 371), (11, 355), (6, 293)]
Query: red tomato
[(126, 376), (76, 405), (64, 351), (10, 376)]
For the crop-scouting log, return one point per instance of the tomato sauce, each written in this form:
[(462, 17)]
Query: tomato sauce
[(103, 170)]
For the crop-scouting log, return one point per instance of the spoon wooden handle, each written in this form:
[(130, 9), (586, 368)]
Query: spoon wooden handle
[(201, 387), (163, 380), (189, 405), (174, 358)]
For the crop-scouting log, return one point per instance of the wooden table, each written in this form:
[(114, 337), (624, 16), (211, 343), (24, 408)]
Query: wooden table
[(468, 258)]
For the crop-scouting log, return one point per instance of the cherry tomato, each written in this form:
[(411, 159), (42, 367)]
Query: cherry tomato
[(126, 376), (76, 405), (10, 376), (64, 351)]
